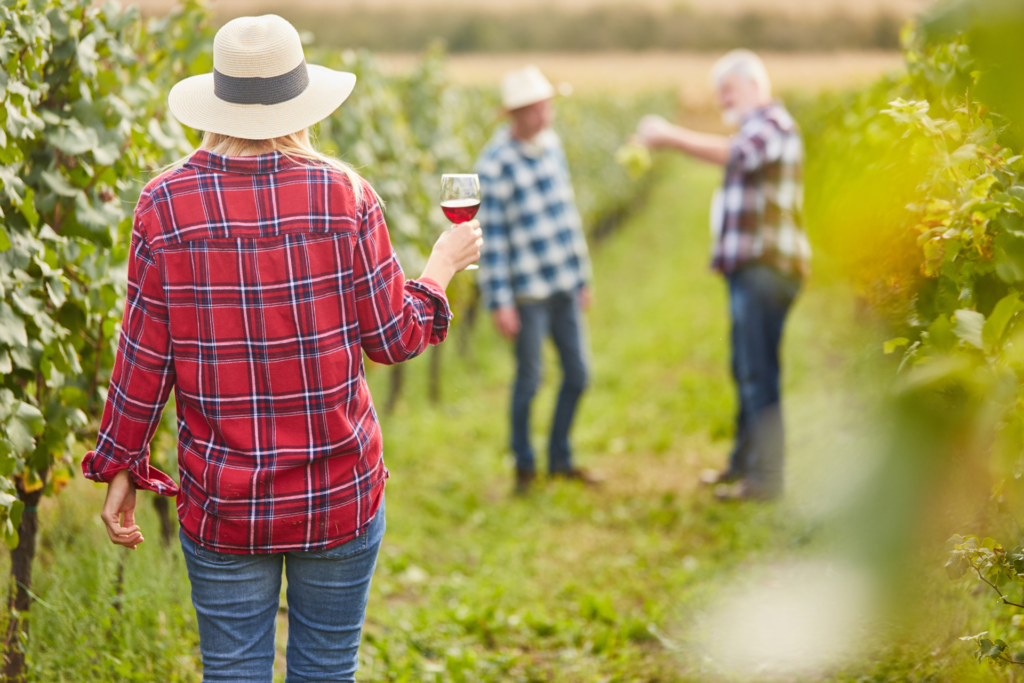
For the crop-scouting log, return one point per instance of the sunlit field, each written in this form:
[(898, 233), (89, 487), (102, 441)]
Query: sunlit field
[(631, 72), (586, 25)]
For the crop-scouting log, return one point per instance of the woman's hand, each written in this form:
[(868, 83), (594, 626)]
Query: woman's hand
[(121, 501), (453, 251)]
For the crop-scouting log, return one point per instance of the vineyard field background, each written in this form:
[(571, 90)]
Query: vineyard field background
[(903, 358), (624, 73), (901, 8), (591, 25), (567, 585)]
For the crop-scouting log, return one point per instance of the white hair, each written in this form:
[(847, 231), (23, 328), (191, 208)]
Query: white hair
[(745, 64)]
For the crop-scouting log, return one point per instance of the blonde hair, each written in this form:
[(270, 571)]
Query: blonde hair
[(296, 146)]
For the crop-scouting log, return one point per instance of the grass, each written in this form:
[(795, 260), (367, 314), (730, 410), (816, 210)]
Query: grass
[(568, 584)]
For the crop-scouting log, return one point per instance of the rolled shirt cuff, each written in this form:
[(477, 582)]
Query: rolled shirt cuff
[(442, 314), (143, 475)]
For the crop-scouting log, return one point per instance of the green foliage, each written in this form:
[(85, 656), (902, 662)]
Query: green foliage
[(937, 151), (944, 267), (1001, 569), (82, 121)]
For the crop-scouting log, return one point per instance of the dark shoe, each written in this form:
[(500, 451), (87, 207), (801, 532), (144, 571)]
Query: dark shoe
[(746, 490), (578, 475), (714, 477), (524, 482)]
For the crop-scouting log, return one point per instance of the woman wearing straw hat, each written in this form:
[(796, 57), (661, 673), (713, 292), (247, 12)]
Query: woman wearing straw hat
[(259, 272)]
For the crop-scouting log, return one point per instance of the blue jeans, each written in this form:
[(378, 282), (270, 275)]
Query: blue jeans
[(237, 598), (558, 316), (759, 299)]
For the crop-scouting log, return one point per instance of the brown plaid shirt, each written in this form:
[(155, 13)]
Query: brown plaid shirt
[(759, 210)]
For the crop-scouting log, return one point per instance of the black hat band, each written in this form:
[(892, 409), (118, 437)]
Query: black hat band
[(256, 90)]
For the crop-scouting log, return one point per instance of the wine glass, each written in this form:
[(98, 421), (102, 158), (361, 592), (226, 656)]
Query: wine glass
[(460, 199)]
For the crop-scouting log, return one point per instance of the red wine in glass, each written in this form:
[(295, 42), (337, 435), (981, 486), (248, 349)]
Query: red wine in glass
[(460, 198), (460, 210)]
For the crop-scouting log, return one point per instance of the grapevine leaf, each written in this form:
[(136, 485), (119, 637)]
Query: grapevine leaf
[(995, 325), (12, 327), (1012, 222), (31, 417), (990, 649), (106, 155), (87, 56), (17, 507), (59, 28), (1017, 560), (956, 566), (57, 183), (74, 139), (940, 333), (28, 208), (1009, 257), (20, 435), (892, 344), (55, 291), (968, 325)]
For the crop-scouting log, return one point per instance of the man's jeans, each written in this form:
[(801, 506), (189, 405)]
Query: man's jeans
[(558, 316), (237, 598), (759, 299)]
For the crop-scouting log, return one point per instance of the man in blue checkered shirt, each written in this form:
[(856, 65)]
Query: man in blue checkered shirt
[(534, 266)]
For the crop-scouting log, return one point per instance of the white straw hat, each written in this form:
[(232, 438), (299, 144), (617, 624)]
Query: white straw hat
[(524, 87), (261, 86)]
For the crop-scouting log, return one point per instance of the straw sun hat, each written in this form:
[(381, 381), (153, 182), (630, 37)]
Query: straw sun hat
[(524, 87), (261, 86)]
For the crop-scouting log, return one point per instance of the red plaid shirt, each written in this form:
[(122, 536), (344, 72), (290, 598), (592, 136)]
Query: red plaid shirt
[(254, 286)]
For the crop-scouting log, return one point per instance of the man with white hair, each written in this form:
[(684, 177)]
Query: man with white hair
[(534, 265), (759, 246)]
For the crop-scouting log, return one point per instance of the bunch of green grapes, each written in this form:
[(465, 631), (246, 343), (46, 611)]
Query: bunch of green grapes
[(636, 159)]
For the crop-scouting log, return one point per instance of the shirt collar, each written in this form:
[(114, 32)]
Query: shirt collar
[(272, 162), (770, 110), (532, 148), (757, 113)]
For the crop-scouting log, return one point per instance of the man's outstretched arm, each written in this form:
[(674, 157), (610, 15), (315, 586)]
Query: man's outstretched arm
[(657, 133)]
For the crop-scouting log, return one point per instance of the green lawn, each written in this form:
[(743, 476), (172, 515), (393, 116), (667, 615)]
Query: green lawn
[(568, 584)]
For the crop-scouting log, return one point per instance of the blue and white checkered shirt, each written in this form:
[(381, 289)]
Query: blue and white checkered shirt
[(534, 245)]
